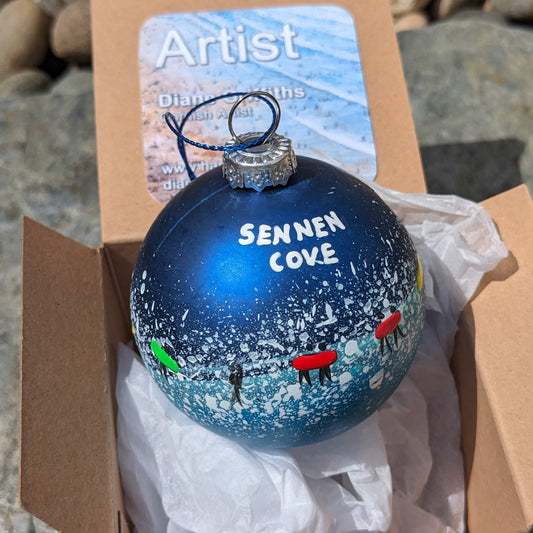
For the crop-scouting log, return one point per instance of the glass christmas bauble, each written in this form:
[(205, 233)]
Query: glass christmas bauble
[(282, 317)]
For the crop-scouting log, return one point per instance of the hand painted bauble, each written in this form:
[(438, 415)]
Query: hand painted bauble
[(278, 318)]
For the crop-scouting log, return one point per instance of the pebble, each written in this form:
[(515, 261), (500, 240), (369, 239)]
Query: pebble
[(71, 33), (28, 81), (23, 36), (52, 7), (444, 8), (401, 7), (514, 9), (411, 21)]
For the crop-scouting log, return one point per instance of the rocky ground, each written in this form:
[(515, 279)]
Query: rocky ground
[(470, 78)]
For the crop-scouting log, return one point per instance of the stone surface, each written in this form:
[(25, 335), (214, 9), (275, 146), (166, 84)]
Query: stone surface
[(23, 36), (71, 33), (74, 82), (480, 16), (516, 9), (26, 81), (48, 172), (471, 90), (411, 21)]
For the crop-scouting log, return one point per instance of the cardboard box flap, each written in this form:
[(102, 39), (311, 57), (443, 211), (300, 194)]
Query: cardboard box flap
[(65, 414), (505, 364), (126, 206), (497, 421)]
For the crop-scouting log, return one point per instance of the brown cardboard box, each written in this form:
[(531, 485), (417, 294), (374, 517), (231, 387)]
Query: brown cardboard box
[(75, 302), (493, 368)]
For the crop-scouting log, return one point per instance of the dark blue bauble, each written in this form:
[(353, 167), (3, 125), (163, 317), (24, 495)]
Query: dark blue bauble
[(278, 318)]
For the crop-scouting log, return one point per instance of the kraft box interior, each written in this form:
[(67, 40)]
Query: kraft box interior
[(69, 473)]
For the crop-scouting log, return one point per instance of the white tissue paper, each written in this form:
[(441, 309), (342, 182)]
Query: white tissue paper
[(399, 471)]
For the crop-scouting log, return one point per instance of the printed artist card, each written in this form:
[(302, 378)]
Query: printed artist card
[(307, 57)]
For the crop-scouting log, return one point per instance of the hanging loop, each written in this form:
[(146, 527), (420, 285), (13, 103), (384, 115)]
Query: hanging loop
[(268, 160), (276, 115)]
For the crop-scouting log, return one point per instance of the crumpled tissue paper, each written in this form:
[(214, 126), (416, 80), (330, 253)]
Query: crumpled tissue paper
[(399, 471)]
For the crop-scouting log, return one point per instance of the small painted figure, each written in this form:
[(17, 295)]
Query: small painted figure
[(389, 326), (321, 361), (235, 378)]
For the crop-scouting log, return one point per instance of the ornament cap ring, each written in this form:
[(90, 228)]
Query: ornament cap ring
[(276, 111)]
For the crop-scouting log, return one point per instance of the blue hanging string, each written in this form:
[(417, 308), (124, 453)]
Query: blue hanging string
[(177, 129)]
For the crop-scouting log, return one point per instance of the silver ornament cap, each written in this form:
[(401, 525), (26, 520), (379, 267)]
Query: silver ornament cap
[(266, 164)]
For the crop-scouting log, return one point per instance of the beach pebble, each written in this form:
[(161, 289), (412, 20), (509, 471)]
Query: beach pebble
[(401, 7), (23, 36), (71, 34), (411, 21), (52, 7), (26, 81), (444, 8)]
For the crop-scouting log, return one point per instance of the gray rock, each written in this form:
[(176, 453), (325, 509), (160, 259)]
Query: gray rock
[(515, 9), (480, 15), (26, 81), (471, 90), (75, 82), (48, 172), (23, 36)]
